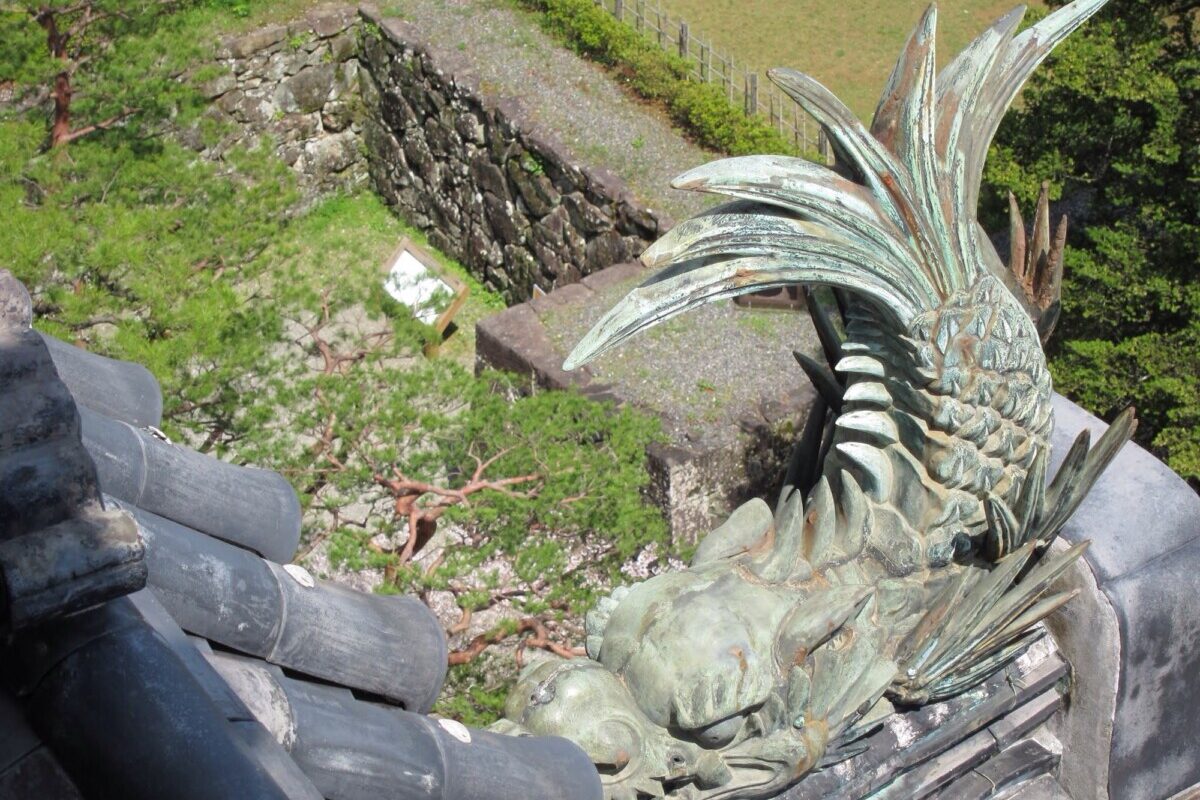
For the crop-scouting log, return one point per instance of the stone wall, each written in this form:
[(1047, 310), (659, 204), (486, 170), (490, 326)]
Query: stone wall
[(348, 97), (297, 84), (483, 183)]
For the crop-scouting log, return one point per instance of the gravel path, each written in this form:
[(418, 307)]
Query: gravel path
[(585, 109)]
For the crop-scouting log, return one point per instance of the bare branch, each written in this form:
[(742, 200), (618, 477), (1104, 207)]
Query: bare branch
[(103, 125), (540, 639)]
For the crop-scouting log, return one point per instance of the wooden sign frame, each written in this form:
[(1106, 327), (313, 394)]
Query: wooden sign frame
[(459, 288)]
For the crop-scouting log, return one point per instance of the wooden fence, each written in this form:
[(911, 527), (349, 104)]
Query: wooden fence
[(741, 84)]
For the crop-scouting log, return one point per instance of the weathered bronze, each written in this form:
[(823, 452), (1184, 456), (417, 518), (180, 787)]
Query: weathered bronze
[(908, 556)]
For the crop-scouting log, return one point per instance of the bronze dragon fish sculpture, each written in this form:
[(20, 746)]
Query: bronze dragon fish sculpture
[(908, 556)]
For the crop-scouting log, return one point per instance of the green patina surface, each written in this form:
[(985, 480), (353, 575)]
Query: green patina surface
[(908, 556)]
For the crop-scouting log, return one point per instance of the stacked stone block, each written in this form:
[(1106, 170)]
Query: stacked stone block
[(484, 183)]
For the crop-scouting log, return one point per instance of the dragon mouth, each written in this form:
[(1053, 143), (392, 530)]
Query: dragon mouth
[(748, 775)]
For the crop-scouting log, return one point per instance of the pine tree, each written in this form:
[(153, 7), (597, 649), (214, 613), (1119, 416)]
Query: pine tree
[(1113, 123), (90, 62)]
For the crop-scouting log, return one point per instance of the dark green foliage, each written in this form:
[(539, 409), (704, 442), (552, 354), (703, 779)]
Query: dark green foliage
[(431, 421), (474, 693), (128, 242), (134, 245), (700, 108), (1113, 122)]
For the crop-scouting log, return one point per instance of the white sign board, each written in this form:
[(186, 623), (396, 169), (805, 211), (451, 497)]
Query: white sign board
[(409, 282)]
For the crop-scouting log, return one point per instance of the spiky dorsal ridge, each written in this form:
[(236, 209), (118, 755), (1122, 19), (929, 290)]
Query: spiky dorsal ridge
[(903, 234), (1037, 265)]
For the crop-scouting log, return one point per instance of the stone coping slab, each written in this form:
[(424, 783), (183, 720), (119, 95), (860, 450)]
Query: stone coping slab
[(1133, 633), (721, 379)]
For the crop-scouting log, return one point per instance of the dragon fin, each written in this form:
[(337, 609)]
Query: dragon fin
[(738, 249), (1039, 511), (1080, 469), (979, 623), (979, 85), (985, 617), (847, 686), (1037, 265)]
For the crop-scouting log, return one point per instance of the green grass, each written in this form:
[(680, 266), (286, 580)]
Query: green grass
[(148, 255), (134, 248), (849, 45), (350, 238)]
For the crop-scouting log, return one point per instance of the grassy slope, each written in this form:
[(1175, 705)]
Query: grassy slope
[(849, 45), (357, 234)]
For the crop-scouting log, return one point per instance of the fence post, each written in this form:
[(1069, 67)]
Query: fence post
[(705, 63), (662, 29), (683, 39), (640, 19), (751, 93), (619, 10), (823, 146)]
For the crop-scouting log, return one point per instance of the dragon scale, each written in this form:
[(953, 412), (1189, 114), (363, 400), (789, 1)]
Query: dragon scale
[(908, 555), (933, 420)]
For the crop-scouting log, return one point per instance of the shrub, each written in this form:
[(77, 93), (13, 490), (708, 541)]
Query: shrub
[(134, 247), (701, 109), (1113, 122)]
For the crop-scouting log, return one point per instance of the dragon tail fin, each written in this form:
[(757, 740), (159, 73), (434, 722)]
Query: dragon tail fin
[(980, 622), (901, 233), (985, 617)]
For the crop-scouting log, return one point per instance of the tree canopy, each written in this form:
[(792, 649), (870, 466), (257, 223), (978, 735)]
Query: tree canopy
[(97, 63), (1113, 123)]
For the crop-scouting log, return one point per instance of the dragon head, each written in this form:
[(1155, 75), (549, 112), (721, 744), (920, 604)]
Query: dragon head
[(581, 700), (586, 703), (719, 708)]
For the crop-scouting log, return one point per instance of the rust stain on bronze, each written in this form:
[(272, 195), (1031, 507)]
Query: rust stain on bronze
[(740, 655)]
